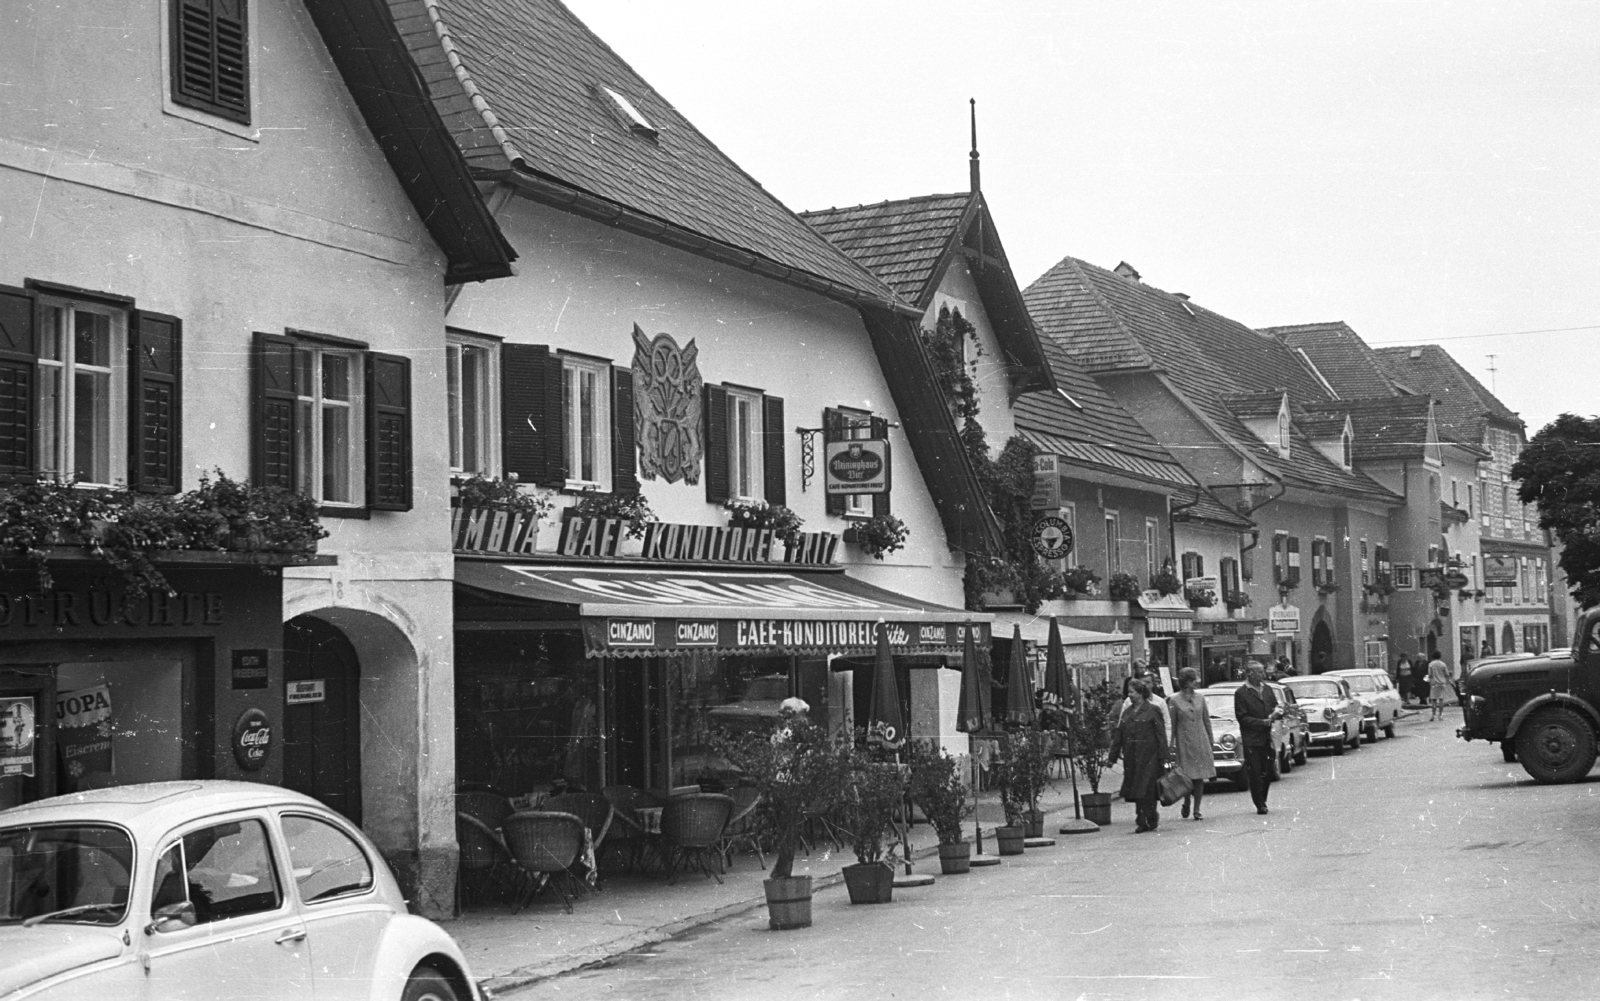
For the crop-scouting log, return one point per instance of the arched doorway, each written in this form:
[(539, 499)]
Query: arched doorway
[(1321, 646), (1508, 639), (322, 722)]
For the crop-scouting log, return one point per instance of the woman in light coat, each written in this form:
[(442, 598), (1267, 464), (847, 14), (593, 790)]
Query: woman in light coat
[(1191, 737)]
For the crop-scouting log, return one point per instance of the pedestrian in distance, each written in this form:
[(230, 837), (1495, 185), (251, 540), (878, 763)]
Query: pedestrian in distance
[(1441, 686), (1191, 737), (1140, 741), (1256, 709), (1419, 679), (1402, 674)]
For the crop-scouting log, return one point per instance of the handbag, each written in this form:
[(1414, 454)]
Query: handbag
[(1173, 786)]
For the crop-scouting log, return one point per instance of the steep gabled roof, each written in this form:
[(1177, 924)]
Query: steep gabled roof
[(1249, 405), (1340, 355), (1111, 323), (1385, 428), (912, 243), (530, 95), (1465, 404), (1206, 508)]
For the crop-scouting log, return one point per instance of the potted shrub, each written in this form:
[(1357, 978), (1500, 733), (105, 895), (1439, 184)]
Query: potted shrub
[(1079, 581), (1023, 770), (871, 805), (797, 768), (941, 795), (1165, 582), (878, 535), (631, 508), (783, 523), (1091, 746)]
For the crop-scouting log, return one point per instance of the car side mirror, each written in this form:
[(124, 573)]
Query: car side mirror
[(172, 917)]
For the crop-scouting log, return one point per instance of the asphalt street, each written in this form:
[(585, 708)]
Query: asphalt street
[(1417, 867)]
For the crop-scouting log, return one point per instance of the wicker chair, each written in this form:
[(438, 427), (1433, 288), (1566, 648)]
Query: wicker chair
[(593, 809), (628, 832), (485, 859), (545, 844), (488, 807), (692, 826), (742, 826)]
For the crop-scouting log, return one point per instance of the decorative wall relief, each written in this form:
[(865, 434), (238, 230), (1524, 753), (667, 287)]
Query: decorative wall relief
[(666, 407)]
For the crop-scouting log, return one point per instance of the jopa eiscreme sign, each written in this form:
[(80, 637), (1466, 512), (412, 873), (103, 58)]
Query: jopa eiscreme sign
[(857, 467)]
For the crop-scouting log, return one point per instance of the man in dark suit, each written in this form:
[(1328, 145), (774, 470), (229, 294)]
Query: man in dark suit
[(1256, 709)]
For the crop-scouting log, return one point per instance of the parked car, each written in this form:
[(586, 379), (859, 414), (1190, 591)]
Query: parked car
[(1226, 752), (1332, 710), (1380, 700), (1294, 718), (208, 889)]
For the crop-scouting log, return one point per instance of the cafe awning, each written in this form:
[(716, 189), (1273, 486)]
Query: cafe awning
[(628, 612), (1166, 613)]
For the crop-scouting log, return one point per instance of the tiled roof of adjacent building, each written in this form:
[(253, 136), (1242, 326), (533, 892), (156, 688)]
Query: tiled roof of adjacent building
[(901, 242), (1392, 428), (1340, 355), (1268, 404), (1464, 403), (529, 92), (1207, 508), (1111, 323)]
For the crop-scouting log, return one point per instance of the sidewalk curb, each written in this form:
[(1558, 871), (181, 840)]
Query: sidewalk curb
[(524, 976)]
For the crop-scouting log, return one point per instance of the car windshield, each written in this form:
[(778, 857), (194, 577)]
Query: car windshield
[(1316, 689), (1220, 704), (1362, 683), (64, 872)]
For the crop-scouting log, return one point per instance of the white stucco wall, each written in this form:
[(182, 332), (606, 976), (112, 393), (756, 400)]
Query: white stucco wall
[(958, 290)]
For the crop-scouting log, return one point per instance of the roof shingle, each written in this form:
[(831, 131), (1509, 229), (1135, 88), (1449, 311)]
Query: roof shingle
[(901, 242), (1339, 353), (1464, 403)]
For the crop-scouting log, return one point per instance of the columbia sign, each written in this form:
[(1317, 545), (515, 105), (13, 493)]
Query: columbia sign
[(857, 467)]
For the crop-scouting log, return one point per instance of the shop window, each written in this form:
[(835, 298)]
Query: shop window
[(333, 421), (1113, 543), (744, 446), (210, 55), (326, 862), (567, 420), (472, 389), (89, 389), (844, 424)]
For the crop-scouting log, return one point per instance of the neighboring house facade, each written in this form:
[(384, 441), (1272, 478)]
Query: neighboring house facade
[(232, 260), (675, 342), (1209, 539), (1229, 402)]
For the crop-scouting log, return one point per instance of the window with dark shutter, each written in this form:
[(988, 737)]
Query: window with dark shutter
[(624, 451), (716, 444), (388, 432), (210, 54), (834, 428), (272, 432), (1292, 572), (1277, 559), (1228, 572), (880, 502), (1189, 561), (155, 366), (18, 376), (1247, 564), (775, 485), (532, 439)]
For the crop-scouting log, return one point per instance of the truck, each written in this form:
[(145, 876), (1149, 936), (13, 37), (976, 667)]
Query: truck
[(1543, 710)]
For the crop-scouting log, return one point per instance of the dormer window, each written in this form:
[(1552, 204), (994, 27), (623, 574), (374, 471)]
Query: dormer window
[(637, 123), (1347, 449), (1283, 430)]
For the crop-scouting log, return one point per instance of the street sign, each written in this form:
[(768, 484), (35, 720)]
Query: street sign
[(1283, 620), (1052, 537), (1046, 483), (1455, 579), (300, 693)]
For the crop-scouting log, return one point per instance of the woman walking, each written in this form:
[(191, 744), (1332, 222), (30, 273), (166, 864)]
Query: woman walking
[(1191, 737), (1441, 687), (1141, 739)]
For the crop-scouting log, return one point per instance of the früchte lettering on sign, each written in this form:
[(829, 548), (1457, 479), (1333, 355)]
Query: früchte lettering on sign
[(57, 610)]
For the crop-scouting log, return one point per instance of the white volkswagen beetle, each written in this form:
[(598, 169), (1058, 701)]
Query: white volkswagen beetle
[(208, 889)]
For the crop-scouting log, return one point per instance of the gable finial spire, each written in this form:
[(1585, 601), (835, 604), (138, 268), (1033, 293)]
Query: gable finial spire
[(973, 156)]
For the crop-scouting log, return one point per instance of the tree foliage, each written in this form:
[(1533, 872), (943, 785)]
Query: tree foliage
[(1559, 470)]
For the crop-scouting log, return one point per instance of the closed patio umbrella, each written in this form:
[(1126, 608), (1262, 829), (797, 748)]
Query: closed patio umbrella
[(1058, 682), (884, 717), (973, 705), (1019, 687)]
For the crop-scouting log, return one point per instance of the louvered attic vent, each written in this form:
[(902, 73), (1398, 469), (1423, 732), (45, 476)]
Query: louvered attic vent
[(637, 123), (211, 57)]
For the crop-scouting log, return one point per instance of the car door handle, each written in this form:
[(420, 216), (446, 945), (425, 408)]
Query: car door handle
[(290, 935)]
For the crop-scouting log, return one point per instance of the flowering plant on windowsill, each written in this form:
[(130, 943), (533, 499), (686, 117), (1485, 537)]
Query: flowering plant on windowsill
[(500, 495), (1200, 597), (878, 535), (1237, 599), (1166, 582), (1327, 587), (1079, 581), (632, 508), (783, 522), (1122, 586)]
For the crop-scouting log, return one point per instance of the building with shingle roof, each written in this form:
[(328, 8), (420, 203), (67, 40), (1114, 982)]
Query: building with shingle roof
[(1349, 366)]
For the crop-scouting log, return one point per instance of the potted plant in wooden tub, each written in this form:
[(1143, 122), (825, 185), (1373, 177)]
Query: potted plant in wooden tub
[(939, 792), (870, 807), (1091, 746), (1024, 775), (798, 769)]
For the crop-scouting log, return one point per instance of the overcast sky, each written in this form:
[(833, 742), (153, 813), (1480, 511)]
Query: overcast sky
[(1423, 171)]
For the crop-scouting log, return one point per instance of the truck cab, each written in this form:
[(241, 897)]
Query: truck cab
[(1543, 710)]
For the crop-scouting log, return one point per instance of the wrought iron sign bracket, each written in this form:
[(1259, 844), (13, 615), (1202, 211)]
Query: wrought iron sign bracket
[(808, 447)]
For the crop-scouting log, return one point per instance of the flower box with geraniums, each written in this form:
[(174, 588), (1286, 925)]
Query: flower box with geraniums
[(631, 509), (1079, 582), (1166, 582), (1236, 599), (1123, 586), (868, 813), (878, 535), (1091, 747), (1200, 597), (131, 531), (798, 770), (487, 506), (938, 791), (1327, 587), (783, 524)]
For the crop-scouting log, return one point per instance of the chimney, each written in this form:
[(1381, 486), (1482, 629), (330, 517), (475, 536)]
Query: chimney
[(1126, 270)]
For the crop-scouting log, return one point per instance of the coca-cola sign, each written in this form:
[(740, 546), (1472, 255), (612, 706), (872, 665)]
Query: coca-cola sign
[(252, 740)]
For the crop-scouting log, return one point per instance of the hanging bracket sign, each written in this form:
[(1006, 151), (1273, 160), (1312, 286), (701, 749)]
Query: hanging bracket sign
[(859, 466)]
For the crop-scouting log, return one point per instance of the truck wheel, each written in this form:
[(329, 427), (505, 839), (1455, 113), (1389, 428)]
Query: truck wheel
[(428, 984), (1508, 751), (1556, 745)]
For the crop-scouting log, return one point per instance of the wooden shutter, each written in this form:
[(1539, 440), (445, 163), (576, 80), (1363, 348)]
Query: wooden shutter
[(1316, 562), (272, 429), (624, 450), (1247, 564), (19, 348), (533, 439), (833, 429), (775, 476), (1292, 572), (880, 502), (716, 429), (155, 414), (1190, 561), (388, 432), (1278, 575), (210, 54), (1228, 574)]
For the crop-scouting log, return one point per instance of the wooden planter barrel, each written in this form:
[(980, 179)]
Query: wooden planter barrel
[(869, 882), (1033, 826), (788, 902), (955, 859), (1097, 807), (1009, 840)]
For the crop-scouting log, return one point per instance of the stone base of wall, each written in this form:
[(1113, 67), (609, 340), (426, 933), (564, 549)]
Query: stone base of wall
[(428, 880)]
